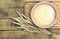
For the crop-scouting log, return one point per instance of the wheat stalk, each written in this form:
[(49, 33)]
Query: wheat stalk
[(26, 23)]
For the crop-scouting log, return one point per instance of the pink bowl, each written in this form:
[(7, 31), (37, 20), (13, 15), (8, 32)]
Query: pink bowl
[(55, 18)]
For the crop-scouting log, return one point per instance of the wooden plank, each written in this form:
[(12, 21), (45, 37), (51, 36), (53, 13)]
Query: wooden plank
[(21, 35), (40, 0)]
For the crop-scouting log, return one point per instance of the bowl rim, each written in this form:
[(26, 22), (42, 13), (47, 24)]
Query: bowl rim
[(55, 17)]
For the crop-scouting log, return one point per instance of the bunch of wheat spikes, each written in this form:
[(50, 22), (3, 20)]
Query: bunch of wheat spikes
[(25, 23)]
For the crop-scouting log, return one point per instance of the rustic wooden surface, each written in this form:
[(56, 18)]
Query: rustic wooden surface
[(21, 35), (7, 10)]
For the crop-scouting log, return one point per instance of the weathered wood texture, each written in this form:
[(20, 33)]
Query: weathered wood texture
[(9, 31), (7, 10), (40, 0), (21, 35)]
